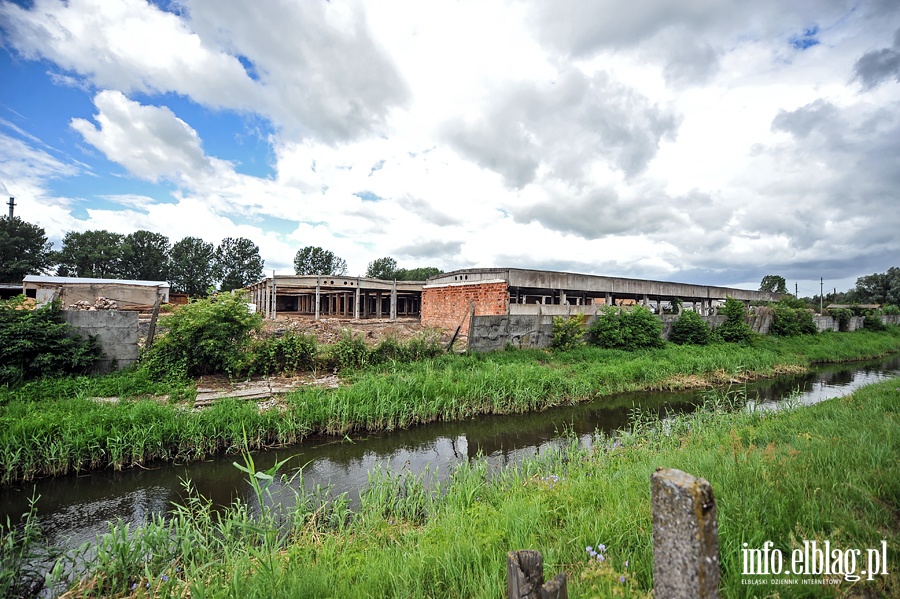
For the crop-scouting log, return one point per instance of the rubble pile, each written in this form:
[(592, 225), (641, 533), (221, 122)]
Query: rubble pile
[(101, 304)]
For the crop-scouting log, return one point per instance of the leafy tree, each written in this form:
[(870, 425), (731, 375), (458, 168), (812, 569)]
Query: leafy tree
[(879, 288), (735, 328), (568, 332), (24, 250), (416, 274), (316, 261), (773, 284), (791, 319), (382, 268), (632, 329), (237, 263), (145, 256), (191, 268), (95, 254), (36, 343), (690, 328)]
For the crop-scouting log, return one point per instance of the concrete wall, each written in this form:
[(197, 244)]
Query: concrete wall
[(117, 333), (535, 330)]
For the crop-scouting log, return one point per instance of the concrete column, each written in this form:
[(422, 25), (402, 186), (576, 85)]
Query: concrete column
[(609, 299), (562, 297), (318, 297), (685, 536), (646, 301), (356, 301), (378, 304), (394, 301)]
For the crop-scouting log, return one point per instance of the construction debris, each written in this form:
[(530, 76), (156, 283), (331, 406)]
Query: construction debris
[(101, 304)]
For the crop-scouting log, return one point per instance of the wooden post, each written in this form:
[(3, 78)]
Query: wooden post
[(685, 536), (152, 332), (525, 577)]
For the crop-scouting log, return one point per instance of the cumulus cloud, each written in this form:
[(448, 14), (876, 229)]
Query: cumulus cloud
[(878, 66), (314, 70), (563, 126), (150, 141)]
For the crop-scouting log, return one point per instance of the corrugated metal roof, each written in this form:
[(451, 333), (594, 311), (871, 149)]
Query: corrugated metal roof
[(86, 281)]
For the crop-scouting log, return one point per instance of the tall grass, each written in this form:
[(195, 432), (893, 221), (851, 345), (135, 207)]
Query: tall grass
[(54, 428), (795, 475)]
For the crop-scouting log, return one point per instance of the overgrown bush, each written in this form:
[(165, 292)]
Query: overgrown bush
[(36, 343), (842, 316), (206, 336), (350, 353), (420, 347), (790, 321), (735, 328), (632, 329), (873, 322), (568, 332), (289, 353), (891, 309), (690, 328)]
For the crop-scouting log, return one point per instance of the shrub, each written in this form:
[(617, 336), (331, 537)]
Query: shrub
[(891, 309), (568, 332), (842, 316), (873, 322), (735, 328), (206, 336), (630, 330), (291, 352), (790, 321), (690, 328), (350, 353), (36, 343)]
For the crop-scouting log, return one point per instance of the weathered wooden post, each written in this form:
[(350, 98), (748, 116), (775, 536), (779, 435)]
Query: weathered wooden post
[(525, 577), (685, 536)]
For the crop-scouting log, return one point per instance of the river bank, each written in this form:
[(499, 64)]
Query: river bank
[(52, 428), (820, 473)]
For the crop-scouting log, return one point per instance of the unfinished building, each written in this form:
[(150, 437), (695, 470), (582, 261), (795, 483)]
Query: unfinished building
[(321, 296), (128, 294), (449, 299)]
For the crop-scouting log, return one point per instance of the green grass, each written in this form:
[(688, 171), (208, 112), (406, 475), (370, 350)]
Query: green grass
[(826, 472), (53, 427)]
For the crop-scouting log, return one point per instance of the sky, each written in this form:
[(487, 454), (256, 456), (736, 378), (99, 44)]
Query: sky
[(698, 141)]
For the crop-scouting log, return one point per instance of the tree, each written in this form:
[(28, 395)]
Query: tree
[(416, 274), (879, 288), (191, 268), (382, 268), (773, 284), (237, 263), (316, 261), (95, 254), (145, 256), (24, 250)]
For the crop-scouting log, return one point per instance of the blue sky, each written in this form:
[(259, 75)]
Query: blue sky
[(668, 140)]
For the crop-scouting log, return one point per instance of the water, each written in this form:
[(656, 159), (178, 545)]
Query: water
[(74, 509)]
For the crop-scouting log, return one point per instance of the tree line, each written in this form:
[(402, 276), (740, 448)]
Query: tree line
[(878, 288), (191, 265)]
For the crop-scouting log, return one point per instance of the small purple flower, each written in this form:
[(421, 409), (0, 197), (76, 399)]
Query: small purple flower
[(165, 578), (134, 586), (600, 557), (589, 549), (601, 547), (622, 579)]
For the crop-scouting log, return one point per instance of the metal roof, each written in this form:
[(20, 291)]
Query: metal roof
[(86, 281)]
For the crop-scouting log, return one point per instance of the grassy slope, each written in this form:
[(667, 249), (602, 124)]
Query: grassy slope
[(827, 472), (52, 428)]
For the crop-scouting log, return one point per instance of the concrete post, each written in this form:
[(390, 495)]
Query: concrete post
[(356, 301), (685, 536), (377, 304), (318, 296), (394, 301)]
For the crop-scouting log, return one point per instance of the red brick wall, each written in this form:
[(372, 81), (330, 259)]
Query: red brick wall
[(447, 307)]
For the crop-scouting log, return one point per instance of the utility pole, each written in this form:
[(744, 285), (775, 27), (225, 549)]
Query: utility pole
[(796, 290), (12, 204), (821, 292)]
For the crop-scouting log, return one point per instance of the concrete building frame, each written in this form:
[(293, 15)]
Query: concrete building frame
[(329, 296)]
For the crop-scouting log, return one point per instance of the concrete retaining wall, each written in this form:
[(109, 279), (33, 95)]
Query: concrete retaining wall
[(490, 333), (116, 331)]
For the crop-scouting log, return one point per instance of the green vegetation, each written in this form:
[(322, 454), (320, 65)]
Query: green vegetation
[(735, 328), (53, 427), (792, 317), (690, 329), (795, 475), (24, 249), (568, 332), (628, 329), (36, 343)]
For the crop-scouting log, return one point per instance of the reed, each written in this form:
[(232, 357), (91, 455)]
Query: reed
[(788, 476), (52, 428)]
